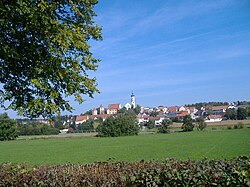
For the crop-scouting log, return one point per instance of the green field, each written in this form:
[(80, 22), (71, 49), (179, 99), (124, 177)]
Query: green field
[(223, 144)]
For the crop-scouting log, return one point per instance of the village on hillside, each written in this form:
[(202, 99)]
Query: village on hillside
[(157, 114), (89, 121)]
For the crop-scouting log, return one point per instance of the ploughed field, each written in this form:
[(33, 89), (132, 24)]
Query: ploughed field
[(222, 144)]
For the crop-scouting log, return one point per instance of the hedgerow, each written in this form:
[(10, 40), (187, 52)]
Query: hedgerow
[(171, 172)]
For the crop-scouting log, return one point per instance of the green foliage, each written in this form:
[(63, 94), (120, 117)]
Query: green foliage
[(58, 121), (175, 119), (201, 104), (137, 109), (89, 112), (201, 125), (45, 56), (36, 129), (154, 113), (7, 128), (164, 127), (171, 172), (121, 125), (241, 113), (150, 124), (87, 126), (231, 114), (187, 124), (239, 126)]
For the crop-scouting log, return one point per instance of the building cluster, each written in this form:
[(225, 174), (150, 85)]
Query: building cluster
[(209, 113), (104, 113)]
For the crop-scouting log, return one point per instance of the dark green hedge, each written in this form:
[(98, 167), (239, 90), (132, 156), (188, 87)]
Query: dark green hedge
[(171, 172)]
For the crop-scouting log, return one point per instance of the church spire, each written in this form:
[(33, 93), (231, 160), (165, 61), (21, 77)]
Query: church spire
[(132, 100)]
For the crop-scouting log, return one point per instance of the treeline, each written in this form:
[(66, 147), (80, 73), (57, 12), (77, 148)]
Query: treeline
[(201, 104), (36, 129), (171, 172)]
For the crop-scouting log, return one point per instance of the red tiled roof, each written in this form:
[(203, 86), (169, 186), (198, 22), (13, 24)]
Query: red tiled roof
[(80, 118), (172, 109), (182, 114), (142, 116), (214, 116), (113, 106), (154, 118), (219, 107)]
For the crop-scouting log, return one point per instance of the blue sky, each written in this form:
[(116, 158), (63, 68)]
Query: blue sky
[(171, 52)]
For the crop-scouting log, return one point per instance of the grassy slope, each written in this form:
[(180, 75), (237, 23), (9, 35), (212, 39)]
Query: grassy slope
[(195, 145)]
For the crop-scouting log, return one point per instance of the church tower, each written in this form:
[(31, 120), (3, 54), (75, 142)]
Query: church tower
[(132, 100)]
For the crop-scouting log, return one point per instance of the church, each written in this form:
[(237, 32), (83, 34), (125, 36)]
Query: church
[(132, 104)]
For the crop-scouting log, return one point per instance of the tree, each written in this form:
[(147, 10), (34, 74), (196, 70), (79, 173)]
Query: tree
[(150, 124), (7, 128), (87, 126), (154, 113), (45, 56), (187, 124), (137, 109), (164, 128), (241, 113), (201, 125), (231, 114), (122, 125)]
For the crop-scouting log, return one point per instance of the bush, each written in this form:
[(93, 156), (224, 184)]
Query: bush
[(201, 125), (164, 127), (238, 126), (121, 125), (187, 124), (150, 124), (171, 172), (7, 128)]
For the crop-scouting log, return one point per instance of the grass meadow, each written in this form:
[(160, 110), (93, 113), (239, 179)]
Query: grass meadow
[(220, 144)]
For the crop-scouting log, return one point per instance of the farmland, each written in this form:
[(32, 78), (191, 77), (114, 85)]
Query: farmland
[(220, 144)]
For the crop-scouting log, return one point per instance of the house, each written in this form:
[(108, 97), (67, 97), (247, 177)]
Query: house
[(219, 109), (172, 109), (82, 118), (213, 118), (113, 108), (142, 118), (191, 109), (158, 120), (182, 108), (182, 114)]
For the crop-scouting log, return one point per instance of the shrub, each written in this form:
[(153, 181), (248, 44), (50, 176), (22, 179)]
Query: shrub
[(171, 172), (239, 126), (187, 124), (164, 127), (201, 125), (150, 124)]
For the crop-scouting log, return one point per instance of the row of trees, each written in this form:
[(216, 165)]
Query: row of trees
[(36, 129), (240, 113)]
